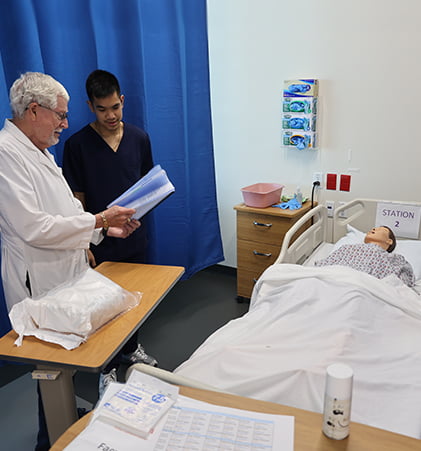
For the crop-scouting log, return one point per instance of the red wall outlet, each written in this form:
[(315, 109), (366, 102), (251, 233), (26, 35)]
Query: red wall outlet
[(331, 181), (345, 184)]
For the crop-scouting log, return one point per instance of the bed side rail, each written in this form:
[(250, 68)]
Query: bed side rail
[(168, 376), (297, 251), (358, 212)]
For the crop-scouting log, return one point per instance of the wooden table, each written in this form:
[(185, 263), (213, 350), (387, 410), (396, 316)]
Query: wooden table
[(58, 394), (308, 435)]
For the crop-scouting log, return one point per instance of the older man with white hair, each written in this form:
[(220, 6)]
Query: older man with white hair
[(45, 231)]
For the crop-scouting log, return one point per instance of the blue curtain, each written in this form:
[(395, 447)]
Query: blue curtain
[(158, 50)]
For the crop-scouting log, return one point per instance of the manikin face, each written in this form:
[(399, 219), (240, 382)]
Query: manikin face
[(379, 236), (50, 123), (108, 111)]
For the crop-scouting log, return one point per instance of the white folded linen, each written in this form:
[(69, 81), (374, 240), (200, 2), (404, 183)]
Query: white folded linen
[(69, 313)]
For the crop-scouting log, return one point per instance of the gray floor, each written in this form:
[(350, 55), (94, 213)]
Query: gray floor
[(190, 312)]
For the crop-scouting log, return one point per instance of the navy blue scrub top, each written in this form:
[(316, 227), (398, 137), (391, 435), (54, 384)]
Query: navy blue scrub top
[(92, 167)]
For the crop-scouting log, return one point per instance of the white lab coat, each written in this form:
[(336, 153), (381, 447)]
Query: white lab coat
[(44, 230)]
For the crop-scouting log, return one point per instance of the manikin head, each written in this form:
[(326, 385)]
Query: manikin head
[(382, 236)]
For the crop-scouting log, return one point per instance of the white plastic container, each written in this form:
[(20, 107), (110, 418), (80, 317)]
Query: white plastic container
[(337, 402), (299, 195)]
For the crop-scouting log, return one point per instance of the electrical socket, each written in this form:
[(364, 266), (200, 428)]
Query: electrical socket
[(318, 177), (330, 205)]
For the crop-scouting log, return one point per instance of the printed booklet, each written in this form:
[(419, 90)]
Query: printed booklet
[(146, 193)]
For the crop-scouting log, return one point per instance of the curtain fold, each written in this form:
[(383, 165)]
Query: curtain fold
[(158, 49)]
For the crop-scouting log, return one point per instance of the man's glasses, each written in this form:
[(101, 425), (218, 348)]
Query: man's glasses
[(61, 116)]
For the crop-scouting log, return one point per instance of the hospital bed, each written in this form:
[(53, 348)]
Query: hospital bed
[(303, 318)]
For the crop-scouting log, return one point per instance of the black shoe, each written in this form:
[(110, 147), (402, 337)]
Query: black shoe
[(81, 412)]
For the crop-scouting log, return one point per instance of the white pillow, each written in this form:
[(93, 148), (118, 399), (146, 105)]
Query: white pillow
[(353, 236), (410, 249)]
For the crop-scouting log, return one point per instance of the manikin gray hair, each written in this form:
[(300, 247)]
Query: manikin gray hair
[(35, 87)]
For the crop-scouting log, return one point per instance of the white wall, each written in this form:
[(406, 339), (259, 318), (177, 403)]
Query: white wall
[(367, 57)]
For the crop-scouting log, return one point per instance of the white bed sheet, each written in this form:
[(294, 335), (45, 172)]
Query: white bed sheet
[(322, 251), (302, 319)]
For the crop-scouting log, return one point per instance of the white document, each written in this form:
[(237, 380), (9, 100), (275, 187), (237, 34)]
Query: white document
[(192, 424)]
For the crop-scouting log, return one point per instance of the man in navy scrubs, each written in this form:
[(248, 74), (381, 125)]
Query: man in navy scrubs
[(105, 158), (100, 162)]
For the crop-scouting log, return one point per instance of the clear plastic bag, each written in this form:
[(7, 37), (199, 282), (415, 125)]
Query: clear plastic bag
[(71, 312)]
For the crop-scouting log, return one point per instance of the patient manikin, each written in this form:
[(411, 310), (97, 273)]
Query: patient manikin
[(373, 257)]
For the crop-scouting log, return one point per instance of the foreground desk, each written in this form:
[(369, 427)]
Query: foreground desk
[(58, 394), (308, 435)]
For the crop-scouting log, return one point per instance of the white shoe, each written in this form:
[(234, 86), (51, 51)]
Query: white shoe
[(105, 379), (139, 356)]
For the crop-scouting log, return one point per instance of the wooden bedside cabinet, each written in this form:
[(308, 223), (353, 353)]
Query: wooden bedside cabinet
[(260, 232)]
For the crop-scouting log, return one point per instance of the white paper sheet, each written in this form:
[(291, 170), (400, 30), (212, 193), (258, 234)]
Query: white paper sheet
[(193, 422)]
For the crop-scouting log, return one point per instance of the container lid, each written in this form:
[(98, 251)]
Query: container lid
[(339, 379)]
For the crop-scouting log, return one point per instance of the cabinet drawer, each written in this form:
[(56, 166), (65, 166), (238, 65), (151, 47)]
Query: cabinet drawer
[(245, 282), (255, 256), (262, 228)]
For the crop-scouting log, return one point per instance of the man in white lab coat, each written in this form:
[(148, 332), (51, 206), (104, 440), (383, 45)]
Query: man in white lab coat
[(45, 232)]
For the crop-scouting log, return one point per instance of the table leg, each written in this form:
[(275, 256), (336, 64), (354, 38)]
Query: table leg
[(59, 401)]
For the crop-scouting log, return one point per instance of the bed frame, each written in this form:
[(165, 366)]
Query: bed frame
[(360, 213)]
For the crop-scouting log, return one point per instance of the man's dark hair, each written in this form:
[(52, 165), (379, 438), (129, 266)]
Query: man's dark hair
[(392, 237), (100, 84)]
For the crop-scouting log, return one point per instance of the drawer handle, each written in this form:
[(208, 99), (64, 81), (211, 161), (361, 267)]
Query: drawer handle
[(261, 224), (269, 254)]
